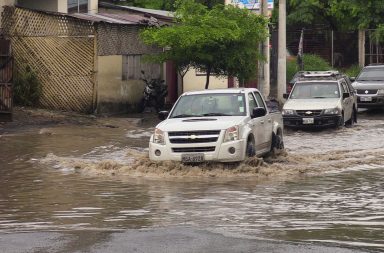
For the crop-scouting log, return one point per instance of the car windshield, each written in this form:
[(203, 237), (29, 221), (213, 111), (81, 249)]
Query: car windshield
[(371, 74), (212, 104), (307, 90)]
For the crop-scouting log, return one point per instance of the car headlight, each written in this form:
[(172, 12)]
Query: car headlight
[(380, 92), (158, 137), (231, 134), (288, 112), (332, 111)]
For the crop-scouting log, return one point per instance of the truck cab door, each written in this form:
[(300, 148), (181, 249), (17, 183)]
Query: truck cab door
[(256, 124), (347, 102), (267, 122)]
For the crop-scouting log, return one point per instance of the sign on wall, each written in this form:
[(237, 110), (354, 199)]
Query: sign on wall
[(250, 4)]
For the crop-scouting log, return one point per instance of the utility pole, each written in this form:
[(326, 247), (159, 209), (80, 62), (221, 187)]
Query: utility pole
[(282, 52), (266, 88)]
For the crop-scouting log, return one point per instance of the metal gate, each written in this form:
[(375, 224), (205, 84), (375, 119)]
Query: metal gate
[(6, 71)]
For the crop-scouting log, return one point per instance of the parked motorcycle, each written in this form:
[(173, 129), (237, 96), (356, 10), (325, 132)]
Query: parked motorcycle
[(154, 94)]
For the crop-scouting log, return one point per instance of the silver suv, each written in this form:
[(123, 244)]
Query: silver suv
[(320, 99), (369, 85)]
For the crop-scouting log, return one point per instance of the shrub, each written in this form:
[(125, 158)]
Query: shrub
[(312, 62), (353, 70), (26, 88)]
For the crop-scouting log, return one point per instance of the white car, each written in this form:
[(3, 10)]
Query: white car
[(320, 99), (224, 125)]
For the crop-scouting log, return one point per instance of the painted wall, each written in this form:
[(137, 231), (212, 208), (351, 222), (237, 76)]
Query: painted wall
[(46, 5), (197, 82), (114, 94)]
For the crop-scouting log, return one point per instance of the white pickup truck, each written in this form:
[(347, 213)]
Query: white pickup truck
[(224, 125)]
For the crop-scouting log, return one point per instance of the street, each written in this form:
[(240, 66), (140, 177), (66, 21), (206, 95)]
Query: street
[(87, 185)]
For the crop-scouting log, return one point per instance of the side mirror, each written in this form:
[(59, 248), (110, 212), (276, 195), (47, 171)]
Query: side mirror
[(345, 95), (286, 95), (258, 112), (352, 79), (163, 115)]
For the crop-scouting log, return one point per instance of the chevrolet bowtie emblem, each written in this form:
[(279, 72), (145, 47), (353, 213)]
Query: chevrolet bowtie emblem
[(366, 92), (192, 136), (308, 112)]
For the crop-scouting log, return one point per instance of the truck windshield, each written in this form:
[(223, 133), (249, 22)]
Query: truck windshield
[(308, 90), (211, 104), (371, 74)]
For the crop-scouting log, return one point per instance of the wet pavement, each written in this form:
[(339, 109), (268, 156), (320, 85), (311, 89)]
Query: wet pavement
[(67, 181)]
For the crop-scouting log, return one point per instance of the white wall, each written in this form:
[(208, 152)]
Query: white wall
[(196, 82)]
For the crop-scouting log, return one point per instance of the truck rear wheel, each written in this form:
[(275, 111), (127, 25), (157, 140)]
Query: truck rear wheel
[(277, 145)]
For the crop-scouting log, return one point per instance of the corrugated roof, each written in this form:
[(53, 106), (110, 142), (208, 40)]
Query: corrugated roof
[(155, 13), (126, 19)]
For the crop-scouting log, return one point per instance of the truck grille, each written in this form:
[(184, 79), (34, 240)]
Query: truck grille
[(308, 113), (193, 149), (362, 92), (193, 136)]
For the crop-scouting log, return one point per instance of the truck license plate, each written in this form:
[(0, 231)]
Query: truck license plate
[(308, 121), (192, 158), (366, 99)]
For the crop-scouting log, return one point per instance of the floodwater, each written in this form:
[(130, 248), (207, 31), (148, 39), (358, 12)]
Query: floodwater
[(327, 187)]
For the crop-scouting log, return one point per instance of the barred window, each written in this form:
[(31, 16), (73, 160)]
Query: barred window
[(134, 64)]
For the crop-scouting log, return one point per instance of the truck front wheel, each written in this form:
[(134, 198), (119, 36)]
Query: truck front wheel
[(250, 148)]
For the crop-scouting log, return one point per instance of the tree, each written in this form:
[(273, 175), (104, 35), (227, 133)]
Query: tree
[(223, 40)]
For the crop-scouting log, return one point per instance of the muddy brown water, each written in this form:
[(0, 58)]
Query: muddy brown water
[(327, 187)]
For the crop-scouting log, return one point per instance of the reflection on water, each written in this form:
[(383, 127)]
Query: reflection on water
[(101, 179)]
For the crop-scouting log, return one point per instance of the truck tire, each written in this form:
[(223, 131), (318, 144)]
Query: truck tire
[(341, 123), (352, 120), (277, 145), (250, 151)]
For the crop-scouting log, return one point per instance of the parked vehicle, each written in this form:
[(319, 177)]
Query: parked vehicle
[(154, 94), (321, 99), (225, 125), (369, 85)]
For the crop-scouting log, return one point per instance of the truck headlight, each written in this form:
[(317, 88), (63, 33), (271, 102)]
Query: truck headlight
[(380, 92), (332, 111), (288, 112), (158, 137), (231, 134)]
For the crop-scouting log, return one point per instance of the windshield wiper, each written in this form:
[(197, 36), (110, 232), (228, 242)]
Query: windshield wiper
[(185, 116), (215, 114), (319, 97)]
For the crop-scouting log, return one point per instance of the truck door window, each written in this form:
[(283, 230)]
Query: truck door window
[(251, 101), (344, 87), (259, 100)]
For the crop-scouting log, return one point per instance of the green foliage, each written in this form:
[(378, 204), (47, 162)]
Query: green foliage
[(292, 68), (336, 14), (223, 40), (378, 35), (312, 62), (358, 14), (27, 88), (353, 71)]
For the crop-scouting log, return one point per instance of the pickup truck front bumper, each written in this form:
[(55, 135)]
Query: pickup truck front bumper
[(220, 152), (318, 121), (371, 101)]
